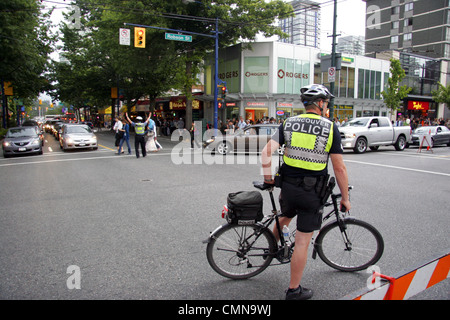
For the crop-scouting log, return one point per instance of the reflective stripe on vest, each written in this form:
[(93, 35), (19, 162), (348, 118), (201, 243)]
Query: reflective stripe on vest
[(139, 128), (308, 139)]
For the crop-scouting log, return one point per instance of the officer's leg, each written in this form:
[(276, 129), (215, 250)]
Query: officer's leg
[(136, 145), (144, 151), (299, 257)]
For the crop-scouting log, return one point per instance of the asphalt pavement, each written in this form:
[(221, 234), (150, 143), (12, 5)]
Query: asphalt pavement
[(88, 225)]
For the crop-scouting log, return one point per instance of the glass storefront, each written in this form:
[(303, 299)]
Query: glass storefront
[(343, 112)]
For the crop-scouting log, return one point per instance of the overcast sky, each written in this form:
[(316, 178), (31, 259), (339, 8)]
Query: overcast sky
[(351, 19)]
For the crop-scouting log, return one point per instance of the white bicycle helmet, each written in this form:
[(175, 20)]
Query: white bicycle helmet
[(314, 92)]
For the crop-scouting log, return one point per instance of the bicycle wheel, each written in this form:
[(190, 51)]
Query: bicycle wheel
[(241, 252), (360, 247)]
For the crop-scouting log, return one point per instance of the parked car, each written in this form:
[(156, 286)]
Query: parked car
[(438, 135), (360, 133), (250, 139), (77, 136), (21, 140)]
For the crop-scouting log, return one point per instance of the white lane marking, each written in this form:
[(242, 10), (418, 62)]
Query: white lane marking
[(400, 168)]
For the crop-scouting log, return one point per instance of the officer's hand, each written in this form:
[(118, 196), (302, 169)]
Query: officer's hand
[(345, 206)]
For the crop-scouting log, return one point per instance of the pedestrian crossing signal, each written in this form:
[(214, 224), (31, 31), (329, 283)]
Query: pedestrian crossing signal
[(139, 37)]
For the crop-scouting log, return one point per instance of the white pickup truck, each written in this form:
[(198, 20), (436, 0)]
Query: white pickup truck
[(372, 132)]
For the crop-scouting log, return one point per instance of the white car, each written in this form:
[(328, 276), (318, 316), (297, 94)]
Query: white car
[(77, 136)]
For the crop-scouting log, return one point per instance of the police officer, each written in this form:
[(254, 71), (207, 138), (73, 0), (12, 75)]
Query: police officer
[(309, 139), (139, 129)]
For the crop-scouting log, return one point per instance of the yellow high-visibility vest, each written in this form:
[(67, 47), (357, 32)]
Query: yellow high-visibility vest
[(308, 138)]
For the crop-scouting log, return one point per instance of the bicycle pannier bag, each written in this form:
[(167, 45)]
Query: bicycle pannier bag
[(245, 207)]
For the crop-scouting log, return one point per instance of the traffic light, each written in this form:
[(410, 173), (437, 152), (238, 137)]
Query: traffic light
[(139, 37), (224, 92)]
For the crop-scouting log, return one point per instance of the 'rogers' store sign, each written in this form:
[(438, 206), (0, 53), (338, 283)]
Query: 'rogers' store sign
[(256, 74), (282, 74)]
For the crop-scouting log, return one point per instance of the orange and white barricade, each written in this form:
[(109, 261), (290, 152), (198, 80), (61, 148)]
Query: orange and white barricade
[(407, 284)]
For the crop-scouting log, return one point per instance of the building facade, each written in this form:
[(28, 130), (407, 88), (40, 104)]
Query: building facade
[(416, 26), (265, 81), (351, 45), (304, 28)]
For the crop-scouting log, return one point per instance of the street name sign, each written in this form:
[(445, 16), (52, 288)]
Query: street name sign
[(178, 37)]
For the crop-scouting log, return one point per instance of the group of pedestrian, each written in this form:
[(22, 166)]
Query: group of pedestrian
[(143, 129)]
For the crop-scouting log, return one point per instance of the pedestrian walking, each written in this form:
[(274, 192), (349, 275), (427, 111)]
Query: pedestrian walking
[(118, 133), (139, 129), (194, 136), (126, 137)]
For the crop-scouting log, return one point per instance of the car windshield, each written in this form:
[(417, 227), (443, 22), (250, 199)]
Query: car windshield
[(425, 130), (78, 129), (361, 122), (21, 132)]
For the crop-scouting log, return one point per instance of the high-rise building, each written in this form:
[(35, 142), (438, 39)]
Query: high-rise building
[(415, 26), (304, 27), (351, 45)]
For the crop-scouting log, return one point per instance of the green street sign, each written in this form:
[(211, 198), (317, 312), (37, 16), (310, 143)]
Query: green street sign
[(178, 37)]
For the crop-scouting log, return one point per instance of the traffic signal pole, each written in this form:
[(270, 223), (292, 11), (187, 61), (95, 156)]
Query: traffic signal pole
[(217, 81)]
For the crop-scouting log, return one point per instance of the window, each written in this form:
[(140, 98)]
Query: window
[(384, 122), (395, 10), (407, 36), (409, 6), (394, 39), (395, 24), (407, 22)]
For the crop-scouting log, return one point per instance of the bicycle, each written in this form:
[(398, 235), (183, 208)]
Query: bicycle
[(243, 251)]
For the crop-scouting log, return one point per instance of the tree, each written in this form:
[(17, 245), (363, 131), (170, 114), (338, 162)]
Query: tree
[(394, 93), (25, 42), (442, 95), (95, 54)]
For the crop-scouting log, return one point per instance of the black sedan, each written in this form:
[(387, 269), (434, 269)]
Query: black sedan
[(21, 140), (437, 134), (250, 139)]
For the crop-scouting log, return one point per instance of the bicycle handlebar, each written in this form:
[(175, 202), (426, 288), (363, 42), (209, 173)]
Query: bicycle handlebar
[(263, 186)]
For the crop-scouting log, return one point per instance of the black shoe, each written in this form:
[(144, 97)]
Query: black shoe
[(299, 294)]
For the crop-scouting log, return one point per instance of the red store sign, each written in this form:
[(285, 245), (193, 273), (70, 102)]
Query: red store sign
[(418, 105)]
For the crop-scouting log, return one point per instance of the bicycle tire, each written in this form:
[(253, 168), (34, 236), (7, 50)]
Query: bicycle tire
[(233, 252), (367, 245)]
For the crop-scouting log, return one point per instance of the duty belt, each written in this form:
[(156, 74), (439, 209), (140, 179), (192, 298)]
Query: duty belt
[(308, 182)]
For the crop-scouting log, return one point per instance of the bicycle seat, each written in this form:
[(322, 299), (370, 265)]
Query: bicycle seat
[(262, 185)]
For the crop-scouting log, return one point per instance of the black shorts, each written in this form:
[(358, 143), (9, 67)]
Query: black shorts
[(296, 201)]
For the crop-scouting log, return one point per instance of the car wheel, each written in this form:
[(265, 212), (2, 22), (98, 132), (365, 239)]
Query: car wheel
[(223, 147), (400, 145), (360, 146)]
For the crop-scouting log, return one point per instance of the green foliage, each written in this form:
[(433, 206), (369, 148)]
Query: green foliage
[(394, 94), (25, 42), (442, 95)]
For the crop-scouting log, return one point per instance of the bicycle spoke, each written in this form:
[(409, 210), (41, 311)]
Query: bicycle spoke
[(353, 250), (240, 251)]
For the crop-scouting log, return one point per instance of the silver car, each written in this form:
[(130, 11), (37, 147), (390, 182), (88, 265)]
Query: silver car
[(77, 136), (438, 135), (250, 139), (21, 140)]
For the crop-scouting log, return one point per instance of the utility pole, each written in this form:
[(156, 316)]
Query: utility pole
[(333, 60)]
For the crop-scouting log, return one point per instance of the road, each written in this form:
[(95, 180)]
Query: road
[(94, 225)]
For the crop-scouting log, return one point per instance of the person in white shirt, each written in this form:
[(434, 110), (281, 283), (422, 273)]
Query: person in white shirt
[(118, 126)]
